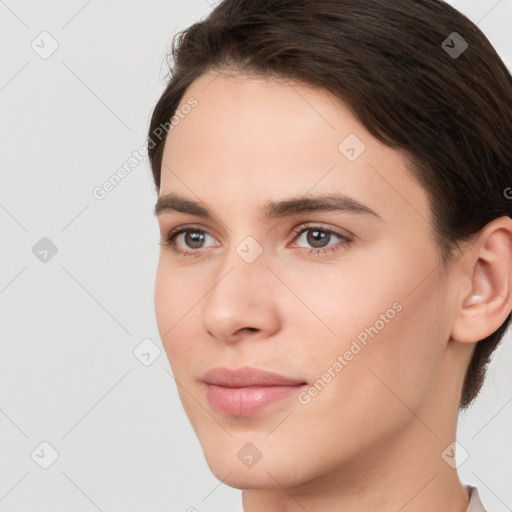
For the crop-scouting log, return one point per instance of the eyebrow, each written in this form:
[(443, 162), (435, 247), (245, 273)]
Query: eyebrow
[(333, 202)]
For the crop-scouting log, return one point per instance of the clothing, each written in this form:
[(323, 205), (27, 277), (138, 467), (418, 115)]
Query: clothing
[(475, 505)]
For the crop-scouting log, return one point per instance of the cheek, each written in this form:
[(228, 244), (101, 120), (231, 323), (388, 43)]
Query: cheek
[(399, 360), (174, 300), (177, 291), (165, 299), (178, 300), (384, 314), (411, 353)]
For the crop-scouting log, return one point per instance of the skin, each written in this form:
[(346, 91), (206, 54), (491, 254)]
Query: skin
[(372, 438)]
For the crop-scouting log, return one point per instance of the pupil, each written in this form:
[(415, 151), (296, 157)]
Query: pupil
[(318, 236), (194, 239)]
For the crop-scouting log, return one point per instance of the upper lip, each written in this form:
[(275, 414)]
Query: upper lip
[(247, 376)]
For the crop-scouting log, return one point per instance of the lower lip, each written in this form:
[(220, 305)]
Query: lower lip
[(247, 400)]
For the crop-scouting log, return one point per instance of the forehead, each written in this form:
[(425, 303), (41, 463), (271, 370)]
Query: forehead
[(251, 138)]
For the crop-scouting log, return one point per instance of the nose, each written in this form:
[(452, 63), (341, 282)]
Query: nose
[(241, 301)]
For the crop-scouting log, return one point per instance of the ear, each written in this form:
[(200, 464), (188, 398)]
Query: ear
[(483, 309)]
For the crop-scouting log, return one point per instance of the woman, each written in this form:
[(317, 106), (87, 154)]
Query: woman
[(335, 269)]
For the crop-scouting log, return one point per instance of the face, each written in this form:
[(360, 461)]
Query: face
[(342, 298)]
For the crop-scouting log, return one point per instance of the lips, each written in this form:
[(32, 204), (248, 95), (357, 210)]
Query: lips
[(247, 377), (245, 391)]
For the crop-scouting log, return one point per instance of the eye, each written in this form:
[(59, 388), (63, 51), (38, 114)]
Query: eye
[(187, 236), (318, 237)]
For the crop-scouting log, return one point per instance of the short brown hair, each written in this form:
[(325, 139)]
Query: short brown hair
[(390, 62)]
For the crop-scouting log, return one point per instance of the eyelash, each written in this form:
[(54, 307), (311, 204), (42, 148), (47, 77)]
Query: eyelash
[(170, 240)]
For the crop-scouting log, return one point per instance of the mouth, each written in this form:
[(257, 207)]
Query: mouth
[(245, 391)]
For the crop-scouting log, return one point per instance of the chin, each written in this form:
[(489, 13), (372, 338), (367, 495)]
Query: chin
[(273, 470), (254, 478)]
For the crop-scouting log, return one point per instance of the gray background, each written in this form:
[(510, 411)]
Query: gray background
[(69, 326)]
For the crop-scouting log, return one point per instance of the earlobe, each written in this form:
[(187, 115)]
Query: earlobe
[(489, 301)]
